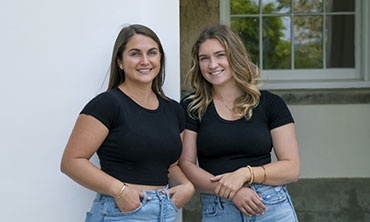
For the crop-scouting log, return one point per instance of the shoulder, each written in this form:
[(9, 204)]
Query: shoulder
[(275, 109), (171, 104), (105, 98), (169, 101), (105, 102), (104, 107), (187, 99)]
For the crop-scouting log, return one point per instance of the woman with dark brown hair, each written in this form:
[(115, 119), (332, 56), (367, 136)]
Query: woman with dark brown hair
[(136, 131)]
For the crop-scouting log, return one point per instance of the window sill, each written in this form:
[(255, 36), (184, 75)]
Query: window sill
[(324, 96)]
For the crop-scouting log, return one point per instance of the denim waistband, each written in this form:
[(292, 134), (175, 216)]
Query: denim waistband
[(258, 188), (154, 194)]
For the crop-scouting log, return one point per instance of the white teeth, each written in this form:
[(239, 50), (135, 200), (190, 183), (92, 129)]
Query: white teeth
[(216, 72), (144, 70)]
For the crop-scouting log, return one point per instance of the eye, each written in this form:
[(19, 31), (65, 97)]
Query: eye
[(203, 58), (221, 55), (153, 52), (135, 53)]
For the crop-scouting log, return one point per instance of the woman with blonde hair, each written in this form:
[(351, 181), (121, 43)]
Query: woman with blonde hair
[(232, 127)]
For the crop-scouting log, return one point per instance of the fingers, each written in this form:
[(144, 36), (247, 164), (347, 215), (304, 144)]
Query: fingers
[(253, 209), (141, 195), (225, 191), (249, 202), (216, 178)]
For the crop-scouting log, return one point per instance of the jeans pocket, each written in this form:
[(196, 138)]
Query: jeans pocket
[(273, 195), (111, 210), (210, 209), (173, 205)]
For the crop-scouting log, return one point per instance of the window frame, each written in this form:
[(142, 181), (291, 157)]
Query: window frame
[(358, 77)]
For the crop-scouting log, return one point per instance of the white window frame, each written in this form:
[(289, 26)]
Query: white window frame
[(358, 77)]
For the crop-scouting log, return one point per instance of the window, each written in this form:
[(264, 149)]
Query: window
[(304, 43)]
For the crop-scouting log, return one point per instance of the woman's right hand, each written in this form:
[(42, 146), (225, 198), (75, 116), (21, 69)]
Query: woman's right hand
[(248, 202), (130, 199)]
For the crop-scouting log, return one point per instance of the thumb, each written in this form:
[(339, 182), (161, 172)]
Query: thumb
[(171, 191), (216, 178), (141, 195)]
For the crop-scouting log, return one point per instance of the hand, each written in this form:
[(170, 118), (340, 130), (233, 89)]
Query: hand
[(249, 202), (130, 199), (181, 194), (229, 183)]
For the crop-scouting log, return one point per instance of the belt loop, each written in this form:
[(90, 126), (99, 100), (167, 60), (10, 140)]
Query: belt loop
[(162, 192), (167, 192), (145, 196), (219, 202), (98, 197)]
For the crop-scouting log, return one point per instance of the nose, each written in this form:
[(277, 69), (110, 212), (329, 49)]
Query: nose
[(212, 63), (144, 60)]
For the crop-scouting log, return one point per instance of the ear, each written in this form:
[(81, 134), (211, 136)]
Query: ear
[(120, 65)]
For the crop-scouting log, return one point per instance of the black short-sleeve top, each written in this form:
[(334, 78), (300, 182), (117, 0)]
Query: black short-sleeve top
[(142, 143), (225, 146)]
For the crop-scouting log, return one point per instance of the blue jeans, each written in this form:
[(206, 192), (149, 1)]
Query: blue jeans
[(159, 209), (275, 198)]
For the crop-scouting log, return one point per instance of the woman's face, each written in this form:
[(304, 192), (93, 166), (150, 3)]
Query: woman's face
[(141, 59), (213, 62)]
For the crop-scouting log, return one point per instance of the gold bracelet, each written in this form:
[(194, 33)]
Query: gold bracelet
[(264, 174), (252, 176), (118, 196)]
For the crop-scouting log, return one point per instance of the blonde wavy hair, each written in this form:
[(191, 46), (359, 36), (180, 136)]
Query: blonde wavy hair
[(245, 73)]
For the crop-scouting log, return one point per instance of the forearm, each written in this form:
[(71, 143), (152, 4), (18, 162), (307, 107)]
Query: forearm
[(199, 177), (176, 176), (88, 175), (277, 173)]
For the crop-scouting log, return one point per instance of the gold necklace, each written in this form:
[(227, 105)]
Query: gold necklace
[(227, 107)]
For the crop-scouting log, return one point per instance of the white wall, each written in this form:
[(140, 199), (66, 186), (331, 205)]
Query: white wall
[(334, 140), (54, 57)]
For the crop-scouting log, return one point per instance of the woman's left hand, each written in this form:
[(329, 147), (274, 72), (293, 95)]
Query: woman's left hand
[(181, 194), (229, 183)]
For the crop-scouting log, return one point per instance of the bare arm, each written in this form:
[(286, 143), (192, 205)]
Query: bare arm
[(86, 137), (181, 189), (287, 167), (284, 170), (199, 177)]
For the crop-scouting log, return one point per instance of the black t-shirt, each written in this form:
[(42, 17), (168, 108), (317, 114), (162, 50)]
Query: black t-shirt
[(142, 143), (225, 146)]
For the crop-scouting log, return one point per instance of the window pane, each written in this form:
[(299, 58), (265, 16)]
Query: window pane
[(308, 6), (340, 5), (276, 42), (275, 6), (308, 42), (244, 7), (248, 29), (340, 41)]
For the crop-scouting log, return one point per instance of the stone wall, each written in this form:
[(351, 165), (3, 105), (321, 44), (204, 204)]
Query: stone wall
[(195, 15), (317, 200)]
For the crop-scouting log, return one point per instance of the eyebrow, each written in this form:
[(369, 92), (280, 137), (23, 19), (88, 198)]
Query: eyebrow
[(220, 51), (136, 49)]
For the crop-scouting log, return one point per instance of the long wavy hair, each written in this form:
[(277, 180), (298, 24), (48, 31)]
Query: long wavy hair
[(245, 73), (117, 75)]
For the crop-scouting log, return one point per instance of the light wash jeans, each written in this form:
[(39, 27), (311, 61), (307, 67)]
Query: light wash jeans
[(275, 198), (159, 209)]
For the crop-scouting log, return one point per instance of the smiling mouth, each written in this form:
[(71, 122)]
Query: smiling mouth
[(216, 72), (144, 71)]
